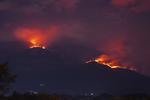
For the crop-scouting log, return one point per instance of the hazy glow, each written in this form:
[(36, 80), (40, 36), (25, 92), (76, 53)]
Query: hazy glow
[(36, 44), (106, 60), (110, 62), (37, 37)]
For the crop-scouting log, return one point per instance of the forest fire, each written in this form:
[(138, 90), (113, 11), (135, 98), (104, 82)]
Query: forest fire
[(108, 61), (36, 44), (115, 54), (37, 37)]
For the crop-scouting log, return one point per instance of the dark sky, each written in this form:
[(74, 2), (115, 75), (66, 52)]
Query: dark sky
[(119, 28)]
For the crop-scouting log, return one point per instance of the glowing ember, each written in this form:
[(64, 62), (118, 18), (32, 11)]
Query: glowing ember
[(36, 44), (108, 61), (36, 37), (115, 54)]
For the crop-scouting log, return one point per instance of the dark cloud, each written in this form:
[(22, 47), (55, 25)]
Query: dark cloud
[(137, 6), (94, 23), (37, 6)]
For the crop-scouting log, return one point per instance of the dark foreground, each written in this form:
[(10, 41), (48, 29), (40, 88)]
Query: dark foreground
[(42, 96)]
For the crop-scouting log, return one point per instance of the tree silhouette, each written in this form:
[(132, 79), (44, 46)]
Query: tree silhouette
[(6, 78)]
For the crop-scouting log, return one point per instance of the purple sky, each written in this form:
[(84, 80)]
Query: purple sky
[(115, 27)]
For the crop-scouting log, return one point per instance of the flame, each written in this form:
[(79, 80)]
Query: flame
[(37, 37), (34, 37), (36, 44), (110, 62), (115, 54)]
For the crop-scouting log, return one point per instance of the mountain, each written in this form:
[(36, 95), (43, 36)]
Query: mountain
[(63, 74), (61, 69)]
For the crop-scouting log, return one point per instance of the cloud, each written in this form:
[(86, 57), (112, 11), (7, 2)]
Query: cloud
[(68, 5), (48, 34), (123, 3), (41, 36), (38, 6), (137, 6), (5, 5), (93, 22)]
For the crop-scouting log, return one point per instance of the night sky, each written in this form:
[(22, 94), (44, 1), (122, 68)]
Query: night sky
[(73, 32)]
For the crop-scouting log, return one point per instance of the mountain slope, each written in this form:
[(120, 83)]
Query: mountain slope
[(59, 75)]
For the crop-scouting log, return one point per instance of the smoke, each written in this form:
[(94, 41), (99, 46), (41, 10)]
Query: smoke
[(43, 36), (112, 29), (68, 5), (49, 34), (136, 6), (28, 7)]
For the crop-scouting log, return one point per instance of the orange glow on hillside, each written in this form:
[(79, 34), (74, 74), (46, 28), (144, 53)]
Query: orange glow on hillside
[(37, 37), (106, 60), (36, 44), (115, 54), (110, 62)]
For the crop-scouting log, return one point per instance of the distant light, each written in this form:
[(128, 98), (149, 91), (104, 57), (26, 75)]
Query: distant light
[(91, 94), (87, 62), (33, 92), (42, 85), (42, 47)]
